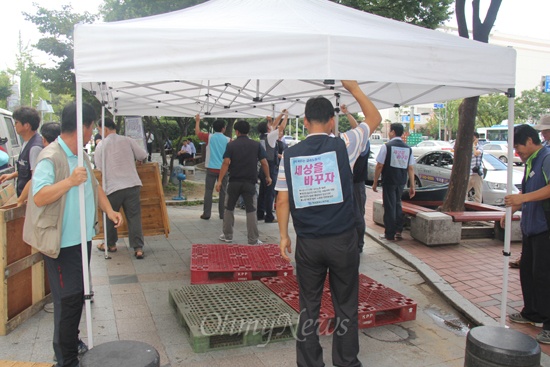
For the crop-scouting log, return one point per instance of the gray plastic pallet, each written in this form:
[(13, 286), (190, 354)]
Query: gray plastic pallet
[(230, 315)]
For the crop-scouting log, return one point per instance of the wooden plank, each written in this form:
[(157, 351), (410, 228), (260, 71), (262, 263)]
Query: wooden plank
[(430, 203), (413, 209), (478, 216), (23, 287), (24, 263), (470, 205), (4, 363), (154, 216), (3, 283)]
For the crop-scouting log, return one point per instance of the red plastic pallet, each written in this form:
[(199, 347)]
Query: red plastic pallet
[(232, 263), (378, 304), (287, 289)]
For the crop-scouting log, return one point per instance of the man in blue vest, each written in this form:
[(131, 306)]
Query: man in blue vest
[(269, 134), (534, 202), (394, 161), (315, 185), (27, 121)]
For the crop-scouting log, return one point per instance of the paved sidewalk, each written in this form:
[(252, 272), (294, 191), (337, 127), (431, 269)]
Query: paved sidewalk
[(131, 298), (468, 274)]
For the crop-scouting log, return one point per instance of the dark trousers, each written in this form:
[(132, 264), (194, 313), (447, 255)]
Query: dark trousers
[(248, 192), (184, 156), (393, 213), (67, 286), (209, 183), (360, 197), (129, 200), (266, 194), (149, 151), (340, 256), (534, 274)]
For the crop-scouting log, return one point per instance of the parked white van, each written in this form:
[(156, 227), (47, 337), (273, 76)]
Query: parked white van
[(9, 138)]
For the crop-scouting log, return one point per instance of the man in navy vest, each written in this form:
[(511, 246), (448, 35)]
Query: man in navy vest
[(394, 161), (27, 121), (534, 202), (315, 185), (269, 134)]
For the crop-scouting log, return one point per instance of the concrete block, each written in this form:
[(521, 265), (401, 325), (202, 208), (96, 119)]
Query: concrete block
[(378, 212), (435, 228), (516, 230)]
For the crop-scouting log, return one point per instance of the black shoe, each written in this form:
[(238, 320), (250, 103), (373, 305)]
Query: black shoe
[(204, 217)]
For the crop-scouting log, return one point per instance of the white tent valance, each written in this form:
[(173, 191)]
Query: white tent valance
[(248, 58)]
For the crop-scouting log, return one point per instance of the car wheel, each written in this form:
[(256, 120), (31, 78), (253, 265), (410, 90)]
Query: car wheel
[(518, 164), (503, 159)]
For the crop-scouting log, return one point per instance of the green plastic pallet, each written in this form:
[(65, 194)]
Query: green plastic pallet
[(231, 315)]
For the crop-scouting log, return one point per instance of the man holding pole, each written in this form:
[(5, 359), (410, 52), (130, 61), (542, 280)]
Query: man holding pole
[(55, 197)]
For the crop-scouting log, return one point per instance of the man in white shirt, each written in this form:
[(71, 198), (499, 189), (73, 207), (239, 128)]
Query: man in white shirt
[(116, 158)]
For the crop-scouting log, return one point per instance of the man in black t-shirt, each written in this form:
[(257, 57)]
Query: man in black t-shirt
[(241, 159)]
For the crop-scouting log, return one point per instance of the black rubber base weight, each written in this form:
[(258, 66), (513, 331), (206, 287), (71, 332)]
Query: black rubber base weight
[(121, 353), (491, 346)]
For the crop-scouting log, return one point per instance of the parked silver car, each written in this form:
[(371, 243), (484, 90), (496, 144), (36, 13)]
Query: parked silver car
[(429, 146), (500, 151), (434, 168)]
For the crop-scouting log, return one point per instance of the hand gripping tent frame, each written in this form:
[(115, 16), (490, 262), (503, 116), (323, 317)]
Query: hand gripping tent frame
[(252, 58)]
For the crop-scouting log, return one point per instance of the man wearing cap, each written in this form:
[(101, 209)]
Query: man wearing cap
[(544, 127)]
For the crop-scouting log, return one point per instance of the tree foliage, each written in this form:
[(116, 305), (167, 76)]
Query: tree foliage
[(491, 110), (531, 105), (424, 13), (113, 10), (58, 26), (5, 88)]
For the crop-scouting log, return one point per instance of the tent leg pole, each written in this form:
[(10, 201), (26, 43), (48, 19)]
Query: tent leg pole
[(83, 242), (508, 221)]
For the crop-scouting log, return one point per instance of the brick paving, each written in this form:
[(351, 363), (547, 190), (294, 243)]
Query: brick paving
[(474, 268)]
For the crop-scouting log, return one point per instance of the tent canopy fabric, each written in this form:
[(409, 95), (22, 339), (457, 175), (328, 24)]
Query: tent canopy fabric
[(249, 58)]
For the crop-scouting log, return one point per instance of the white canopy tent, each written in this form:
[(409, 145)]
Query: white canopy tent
[(245, 58), (252, 58)]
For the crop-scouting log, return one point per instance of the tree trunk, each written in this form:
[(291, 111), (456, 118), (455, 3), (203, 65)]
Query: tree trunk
[(460, 175), (456, 194), (229, 129)]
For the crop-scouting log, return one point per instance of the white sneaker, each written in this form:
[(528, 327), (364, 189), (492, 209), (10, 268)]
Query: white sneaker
[(222, 237), (48, 307), (258, 242)]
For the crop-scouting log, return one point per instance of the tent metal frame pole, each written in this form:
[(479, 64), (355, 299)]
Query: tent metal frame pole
[(105, 243), (83, 242), (508, 221)]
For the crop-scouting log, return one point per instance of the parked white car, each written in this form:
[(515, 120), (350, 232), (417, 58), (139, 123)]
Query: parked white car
[(500, 151), (434, 168), (429, 146), (374, 150), (290, 141)]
